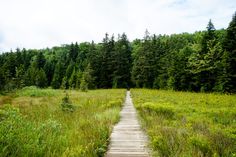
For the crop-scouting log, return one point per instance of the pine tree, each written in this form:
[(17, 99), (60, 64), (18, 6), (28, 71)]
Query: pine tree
[(40, 60), (203, 63), (79, 76), (72, 80), (41, 79), (2, 79), (73, 52), (209, 35), (64, 84), (106, 62), (57, 76), (30, 75), (94, 59), (229, 60), (143, 72), (19, 80), (83, 85), (122, 63), (19, 59), (49, 69)]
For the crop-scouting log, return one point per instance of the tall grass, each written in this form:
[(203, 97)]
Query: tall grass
[(188, 124), (36, 125)]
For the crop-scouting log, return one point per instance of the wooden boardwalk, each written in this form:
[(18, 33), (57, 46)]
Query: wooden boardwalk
[(127, 138)]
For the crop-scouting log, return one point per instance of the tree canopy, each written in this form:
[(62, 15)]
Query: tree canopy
[(202, 61)]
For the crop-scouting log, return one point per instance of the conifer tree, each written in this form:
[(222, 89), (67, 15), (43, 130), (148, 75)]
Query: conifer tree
[(40, 60), (229, 59), (72, 80), (57, 76), (41, 79), (122, 63)]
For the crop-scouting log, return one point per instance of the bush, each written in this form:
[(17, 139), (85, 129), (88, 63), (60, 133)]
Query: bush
[(66, 104)]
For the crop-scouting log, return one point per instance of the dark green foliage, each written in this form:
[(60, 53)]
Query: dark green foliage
[(2, 79), (57, 77), (49, 70), (203, 61), (87, 82), (72, 79), (122, 63), (66, 104), (229, 58), (143, 72), (40, 60), (83, 85), (41, 79)]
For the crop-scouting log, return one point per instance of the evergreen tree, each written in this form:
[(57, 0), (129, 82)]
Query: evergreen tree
[(229, 59), (78, 79), (40, 60), (41, 79), (105, 73), (19, 59), (87, 80), (203, 64), (2, 79), (64, 84), (94, 59), (73, 52), (209, 35), (72, 80), (122, 63), (19, 80), (143, 72), (30, 75), (83, 85), (57, 76), (49, 70)]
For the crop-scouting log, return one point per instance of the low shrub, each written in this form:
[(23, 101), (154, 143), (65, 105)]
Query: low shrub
[(66, 104)]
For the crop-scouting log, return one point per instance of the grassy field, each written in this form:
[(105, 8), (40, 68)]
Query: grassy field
[(183, 124), (37, 122)]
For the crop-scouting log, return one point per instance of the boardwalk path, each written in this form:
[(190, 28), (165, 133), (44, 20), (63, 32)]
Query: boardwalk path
[(127, 138)]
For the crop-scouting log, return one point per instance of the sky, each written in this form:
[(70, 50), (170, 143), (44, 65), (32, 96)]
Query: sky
[(47, 23)]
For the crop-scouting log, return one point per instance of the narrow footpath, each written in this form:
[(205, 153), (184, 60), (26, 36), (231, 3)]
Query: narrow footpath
[(127, 138)]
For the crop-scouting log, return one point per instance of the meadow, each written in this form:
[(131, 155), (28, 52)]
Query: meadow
[(48, 122), (184, 124)]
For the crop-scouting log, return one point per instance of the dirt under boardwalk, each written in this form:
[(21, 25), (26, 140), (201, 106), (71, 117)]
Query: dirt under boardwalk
[(127, 138)]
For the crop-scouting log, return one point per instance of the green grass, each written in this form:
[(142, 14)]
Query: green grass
[(35, 124), (188, 124)]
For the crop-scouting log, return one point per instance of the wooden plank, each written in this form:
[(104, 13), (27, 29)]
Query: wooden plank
[(127, 138)]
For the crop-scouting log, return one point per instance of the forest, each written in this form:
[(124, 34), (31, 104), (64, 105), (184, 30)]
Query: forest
[(204, 61)]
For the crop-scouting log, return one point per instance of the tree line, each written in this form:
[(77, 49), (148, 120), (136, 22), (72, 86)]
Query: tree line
[(202, 61)]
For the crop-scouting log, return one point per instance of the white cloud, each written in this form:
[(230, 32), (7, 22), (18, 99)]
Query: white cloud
[(42, 23)]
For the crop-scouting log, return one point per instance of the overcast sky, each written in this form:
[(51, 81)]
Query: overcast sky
[(47, 23)]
